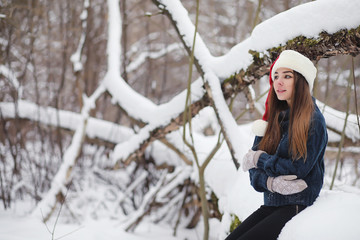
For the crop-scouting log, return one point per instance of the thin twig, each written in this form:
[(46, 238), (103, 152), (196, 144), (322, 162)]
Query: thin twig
[(348, 94), (356, 107), (67, 234)]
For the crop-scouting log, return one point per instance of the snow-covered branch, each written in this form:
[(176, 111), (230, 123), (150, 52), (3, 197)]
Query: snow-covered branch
[(335, 120), (186, 30), (76, 57), (152, 55), (15, 52), (179, 17), (97, 128), (144, 207), (11, 77), (63, 177), (136, 105), (133, 103)]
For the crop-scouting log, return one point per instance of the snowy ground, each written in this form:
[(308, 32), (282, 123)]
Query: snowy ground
[(15, 227), (334, 215)]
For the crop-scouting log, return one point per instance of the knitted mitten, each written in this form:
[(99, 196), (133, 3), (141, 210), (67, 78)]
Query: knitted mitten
[(286, 184), (250, 159)]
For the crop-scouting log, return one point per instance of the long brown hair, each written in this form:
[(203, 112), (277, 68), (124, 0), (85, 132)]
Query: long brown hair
[(301, 110)]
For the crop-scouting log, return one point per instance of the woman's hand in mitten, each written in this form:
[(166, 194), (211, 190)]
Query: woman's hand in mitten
[(250, 159), (286, 184)]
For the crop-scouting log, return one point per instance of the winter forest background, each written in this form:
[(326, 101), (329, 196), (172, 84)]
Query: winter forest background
[(108, 112)]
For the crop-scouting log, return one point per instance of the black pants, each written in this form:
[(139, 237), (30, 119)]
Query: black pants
[(265, 223)]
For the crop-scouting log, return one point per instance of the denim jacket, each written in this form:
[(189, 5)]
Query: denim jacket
[(281, 163)]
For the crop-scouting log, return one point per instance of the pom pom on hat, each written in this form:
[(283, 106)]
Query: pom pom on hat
[(259, 127)]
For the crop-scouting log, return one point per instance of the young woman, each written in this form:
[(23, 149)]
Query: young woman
[(286, 161)]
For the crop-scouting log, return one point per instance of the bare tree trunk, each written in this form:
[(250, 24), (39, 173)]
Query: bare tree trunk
[(165, 68), (257, 14), (355, 94), (348, 96), (124, 38)]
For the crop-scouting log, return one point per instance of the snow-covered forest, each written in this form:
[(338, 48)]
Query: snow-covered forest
[(128, 119)]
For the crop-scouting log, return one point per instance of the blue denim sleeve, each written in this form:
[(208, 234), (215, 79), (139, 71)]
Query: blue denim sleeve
[(256, 143), (258, 179), (274, 165)]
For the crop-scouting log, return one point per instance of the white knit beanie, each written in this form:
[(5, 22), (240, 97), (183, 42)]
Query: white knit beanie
[(295, 61)]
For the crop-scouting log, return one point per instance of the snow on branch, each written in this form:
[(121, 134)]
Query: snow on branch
[(76, 57), (11, 77), (136, 105), (335, 120), (202, 59), (131, 187), (143, 209), (169, 119), (63, 177), (186, 30), (133, 103), (152, 55), (227, 121), (18, 55), (308, 20), (173, 180), (311, 21), (97, 128)]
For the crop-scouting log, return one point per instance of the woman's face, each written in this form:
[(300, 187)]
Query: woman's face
[(283, 83)]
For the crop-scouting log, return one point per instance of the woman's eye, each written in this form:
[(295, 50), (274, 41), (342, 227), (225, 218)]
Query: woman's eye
[(288, 76), (276, 77)]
